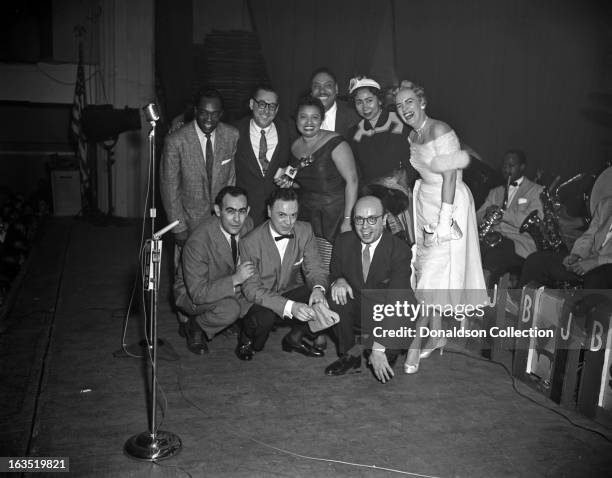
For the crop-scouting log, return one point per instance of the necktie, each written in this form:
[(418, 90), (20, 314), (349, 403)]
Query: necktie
[(508, 198), (234, 248), (209, 161), (365, 262), (263, 150), (284, 236)]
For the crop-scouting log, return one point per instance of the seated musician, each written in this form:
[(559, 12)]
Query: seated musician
[(589, 262), (504, 248)]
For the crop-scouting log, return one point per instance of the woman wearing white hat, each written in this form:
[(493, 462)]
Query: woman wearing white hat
[(382, 152)]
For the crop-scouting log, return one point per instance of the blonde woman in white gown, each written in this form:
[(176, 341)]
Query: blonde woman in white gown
[(447, 265)]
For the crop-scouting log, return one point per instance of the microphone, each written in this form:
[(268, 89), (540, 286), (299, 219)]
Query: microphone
[(151, 112), (164, 230)]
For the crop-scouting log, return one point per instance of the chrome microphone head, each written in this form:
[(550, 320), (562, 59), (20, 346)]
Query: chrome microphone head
[(151, 112)]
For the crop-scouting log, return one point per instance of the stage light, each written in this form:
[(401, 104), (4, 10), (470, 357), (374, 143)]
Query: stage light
[(103, 122)]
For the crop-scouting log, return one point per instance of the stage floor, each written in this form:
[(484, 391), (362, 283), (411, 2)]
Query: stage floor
[(65, 394)]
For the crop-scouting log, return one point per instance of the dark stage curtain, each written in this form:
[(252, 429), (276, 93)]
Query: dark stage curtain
[(504, 74), (297, 37), (513, 74)]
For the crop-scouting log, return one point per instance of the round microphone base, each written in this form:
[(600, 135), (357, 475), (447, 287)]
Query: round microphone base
[(148, 447)]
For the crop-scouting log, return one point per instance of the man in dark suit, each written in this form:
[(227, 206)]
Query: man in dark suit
[(281, 249), (207, 286), (263, 147), (517, 198), (339, 116), (369, 258), (197, 162)]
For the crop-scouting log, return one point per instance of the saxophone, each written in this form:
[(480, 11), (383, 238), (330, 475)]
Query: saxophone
[(492, 238), (545, 231), (487, 237)]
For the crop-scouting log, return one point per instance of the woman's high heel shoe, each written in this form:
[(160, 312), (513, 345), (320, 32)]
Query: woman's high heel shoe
[(410, 368), (427, 352)]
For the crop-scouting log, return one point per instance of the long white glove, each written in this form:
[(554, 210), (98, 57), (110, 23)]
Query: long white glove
[(444, 230), (445, 219)]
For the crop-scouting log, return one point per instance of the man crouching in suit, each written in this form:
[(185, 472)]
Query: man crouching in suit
[(208, 280), (281, 249), (369, 258)]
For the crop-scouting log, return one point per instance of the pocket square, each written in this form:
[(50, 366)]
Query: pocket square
[(298, 262), (522, 200), (226, 161)]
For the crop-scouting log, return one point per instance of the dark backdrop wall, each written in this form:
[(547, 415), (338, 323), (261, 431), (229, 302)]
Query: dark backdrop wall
[(503, 73), (513, 73)]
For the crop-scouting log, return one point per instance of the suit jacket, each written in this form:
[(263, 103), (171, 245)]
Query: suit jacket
[(184, 187), (590, 243), (346, 117), (248, 172), (526, 199), (204, 275), (273, 278), (389, 266)]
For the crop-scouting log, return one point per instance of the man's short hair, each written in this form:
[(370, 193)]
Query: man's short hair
[(263, 87), (519, 153), (208, 93), (324, 69), (281, 194), (233, 191)]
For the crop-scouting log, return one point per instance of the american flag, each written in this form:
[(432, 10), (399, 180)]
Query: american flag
[(76, 128)]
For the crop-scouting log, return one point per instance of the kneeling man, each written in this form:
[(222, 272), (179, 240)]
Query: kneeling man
[(368, 258), (281, 249), (208, 282)]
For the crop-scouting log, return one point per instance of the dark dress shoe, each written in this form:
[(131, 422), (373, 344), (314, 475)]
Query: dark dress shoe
[(196, 340), (345, 364), (303, 348), (245, 351)]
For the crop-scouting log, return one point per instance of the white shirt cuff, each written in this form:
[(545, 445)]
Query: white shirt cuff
[(287, 309), (376, 347), (318, 286)]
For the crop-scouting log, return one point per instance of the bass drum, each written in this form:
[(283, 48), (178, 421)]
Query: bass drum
[(601, 189)]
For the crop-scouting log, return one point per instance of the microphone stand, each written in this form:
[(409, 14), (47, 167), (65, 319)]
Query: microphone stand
[(154, 444)]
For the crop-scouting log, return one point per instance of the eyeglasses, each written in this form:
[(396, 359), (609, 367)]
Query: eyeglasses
[(370, 219), (262, 105)]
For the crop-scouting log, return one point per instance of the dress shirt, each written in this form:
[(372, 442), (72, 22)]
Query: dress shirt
[(513, 189), (373, 246), (271, 140), (227, 236), (202, 138), (329, 123)]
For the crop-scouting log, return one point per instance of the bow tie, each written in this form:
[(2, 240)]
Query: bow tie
[(284, 236), (513, 184)]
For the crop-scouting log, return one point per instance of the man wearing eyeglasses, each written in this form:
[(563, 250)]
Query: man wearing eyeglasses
[(197, 162), (263, 147), (208, 283), (369, 257)]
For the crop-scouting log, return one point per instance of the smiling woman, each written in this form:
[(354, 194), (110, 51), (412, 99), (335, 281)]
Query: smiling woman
[(326, 173), (447, 258)]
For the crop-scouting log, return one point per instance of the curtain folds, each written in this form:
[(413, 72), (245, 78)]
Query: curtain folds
[(297, 37)]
